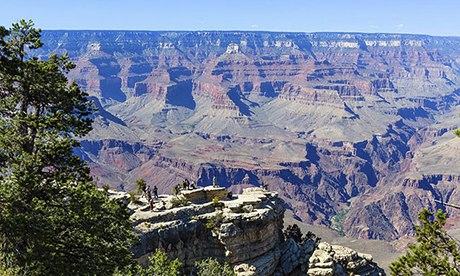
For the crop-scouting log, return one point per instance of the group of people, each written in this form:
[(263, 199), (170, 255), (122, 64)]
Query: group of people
[(151, 195), (186, 185)]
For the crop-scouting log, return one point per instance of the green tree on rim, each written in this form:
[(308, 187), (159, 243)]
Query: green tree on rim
[(434, 253), (53, 219)]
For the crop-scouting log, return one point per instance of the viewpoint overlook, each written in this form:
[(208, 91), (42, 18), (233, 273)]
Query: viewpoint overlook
[(229, 138)]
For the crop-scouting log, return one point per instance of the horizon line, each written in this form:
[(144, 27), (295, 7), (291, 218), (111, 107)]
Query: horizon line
[(247, 31)]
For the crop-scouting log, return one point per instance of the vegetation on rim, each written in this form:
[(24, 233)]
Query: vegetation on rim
[(435, 251), (53, 219)]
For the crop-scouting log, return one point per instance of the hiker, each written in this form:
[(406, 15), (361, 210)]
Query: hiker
[(176, 189), (151, 204), (148, 194), (187, 184), (265, 186), (155, 192), (214, 182), (184, 185), (193, 185), (145, 190)]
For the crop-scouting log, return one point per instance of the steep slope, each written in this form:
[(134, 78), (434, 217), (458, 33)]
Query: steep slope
[(430, 174), (332, 121)]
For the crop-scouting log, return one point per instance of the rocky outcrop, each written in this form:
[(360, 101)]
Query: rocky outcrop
[(338, 260), (244, 230)]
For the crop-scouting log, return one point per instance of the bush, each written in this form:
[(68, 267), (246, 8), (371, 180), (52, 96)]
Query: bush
[(134, 197), (10, 269), (457, 132), (311, 236), (211, 267), (293, 232), (179, 201), (216, 202), (161, 265), (214, 222), (141, 185)]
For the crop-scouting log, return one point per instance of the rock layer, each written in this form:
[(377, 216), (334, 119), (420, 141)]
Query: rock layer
[(244, 230), (328, 120)]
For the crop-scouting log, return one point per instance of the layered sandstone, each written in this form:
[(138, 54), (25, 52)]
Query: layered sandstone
[(328, 120), (244, 230)]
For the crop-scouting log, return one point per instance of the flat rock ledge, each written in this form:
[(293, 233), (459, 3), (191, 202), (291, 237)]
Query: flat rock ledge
[(244, 230)]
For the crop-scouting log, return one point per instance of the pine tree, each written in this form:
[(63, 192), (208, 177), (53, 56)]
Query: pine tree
[(434, 253), (53, 219)]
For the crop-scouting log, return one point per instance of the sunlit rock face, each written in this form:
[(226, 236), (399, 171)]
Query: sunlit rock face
[(244, 230), (333, 122)]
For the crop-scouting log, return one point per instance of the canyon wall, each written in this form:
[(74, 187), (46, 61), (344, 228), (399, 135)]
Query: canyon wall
[(336, 123)]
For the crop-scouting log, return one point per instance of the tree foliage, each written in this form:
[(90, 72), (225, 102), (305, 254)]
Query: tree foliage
[(293, 232), (53, 219), (434, 253), (141, 185), (212, 267), (161, 265)]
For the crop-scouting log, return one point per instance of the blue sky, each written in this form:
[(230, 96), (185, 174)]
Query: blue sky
[(434, 17)]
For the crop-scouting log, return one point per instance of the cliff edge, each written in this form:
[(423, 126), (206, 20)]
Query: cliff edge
[(245, 230)]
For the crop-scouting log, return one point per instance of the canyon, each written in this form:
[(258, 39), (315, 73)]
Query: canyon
[(352, 130)]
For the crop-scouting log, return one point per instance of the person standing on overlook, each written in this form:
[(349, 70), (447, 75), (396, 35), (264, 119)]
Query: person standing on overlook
[(155, 192), (214, 182)]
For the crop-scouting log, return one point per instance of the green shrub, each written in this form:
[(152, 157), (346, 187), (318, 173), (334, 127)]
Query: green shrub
[(293, 232), (214, 222), (457, 132), (161, 265), (179, 201), (132, 270), (311, 236), (141, 185), (216, 202), (134, 197), (211, 267), (7, 270)]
